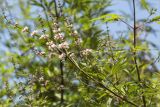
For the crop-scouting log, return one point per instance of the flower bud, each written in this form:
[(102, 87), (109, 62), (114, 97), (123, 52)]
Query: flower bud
[(34, 32), (25, 29)]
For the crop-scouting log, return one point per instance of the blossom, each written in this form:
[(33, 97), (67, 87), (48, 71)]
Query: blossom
[(49, 48), (69, 26), (61, 56), (58, 30), (86, 52), (53, 46), (74, 33), (44, 37), (63, 45), (41, 79), (54, 31), (16, 24), (25, 29), (49, 43), (55, 24), (72, 55), (78, 41), (40, 53), (58, 36), (34, 32)]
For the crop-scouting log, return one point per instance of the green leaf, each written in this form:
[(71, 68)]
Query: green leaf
[(145, 5), (118, 67), (155, 19), (108, 18)]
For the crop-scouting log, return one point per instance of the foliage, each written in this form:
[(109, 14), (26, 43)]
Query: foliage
[(63, 57)]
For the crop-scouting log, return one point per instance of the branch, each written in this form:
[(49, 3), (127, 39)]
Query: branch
[(99, 83), (47, 18), (126, 23), (135, 43), (61, 63), (62, 82), (56, 10)]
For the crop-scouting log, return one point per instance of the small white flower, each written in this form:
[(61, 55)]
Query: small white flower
[(86, 52), (55, 31), (53, 46), (34, 32), (25, 29), (42, 53), (70, 26), (59, 30), (63, 45), (78, 41), (50, 48), (16, 24), (59, 36), (41, 79), (72, 55), (75, 33), (49, 43), (44, 37), (55, 24), (62, 56)]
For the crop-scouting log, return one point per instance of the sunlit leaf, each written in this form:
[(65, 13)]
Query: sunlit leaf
[(108, 18), (145, 4)]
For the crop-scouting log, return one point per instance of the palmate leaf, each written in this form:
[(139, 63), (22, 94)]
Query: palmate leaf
[(108, 18)]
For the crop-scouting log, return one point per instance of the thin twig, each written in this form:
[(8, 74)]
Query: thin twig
[(62, 82), (47, 18), (126, 23), (135, 57), (56, 10)]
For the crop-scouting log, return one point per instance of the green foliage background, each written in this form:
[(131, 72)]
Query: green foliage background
[(29, 80)]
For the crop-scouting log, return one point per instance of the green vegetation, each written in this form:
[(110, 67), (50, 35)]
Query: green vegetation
[(63, 54)]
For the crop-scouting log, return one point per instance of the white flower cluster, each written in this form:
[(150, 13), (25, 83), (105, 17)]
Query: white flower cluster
[(44, 36), (26, 29), (63, 45), (57, 31), (57, 46), (87, 52), (58, 36), (51, 45)]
